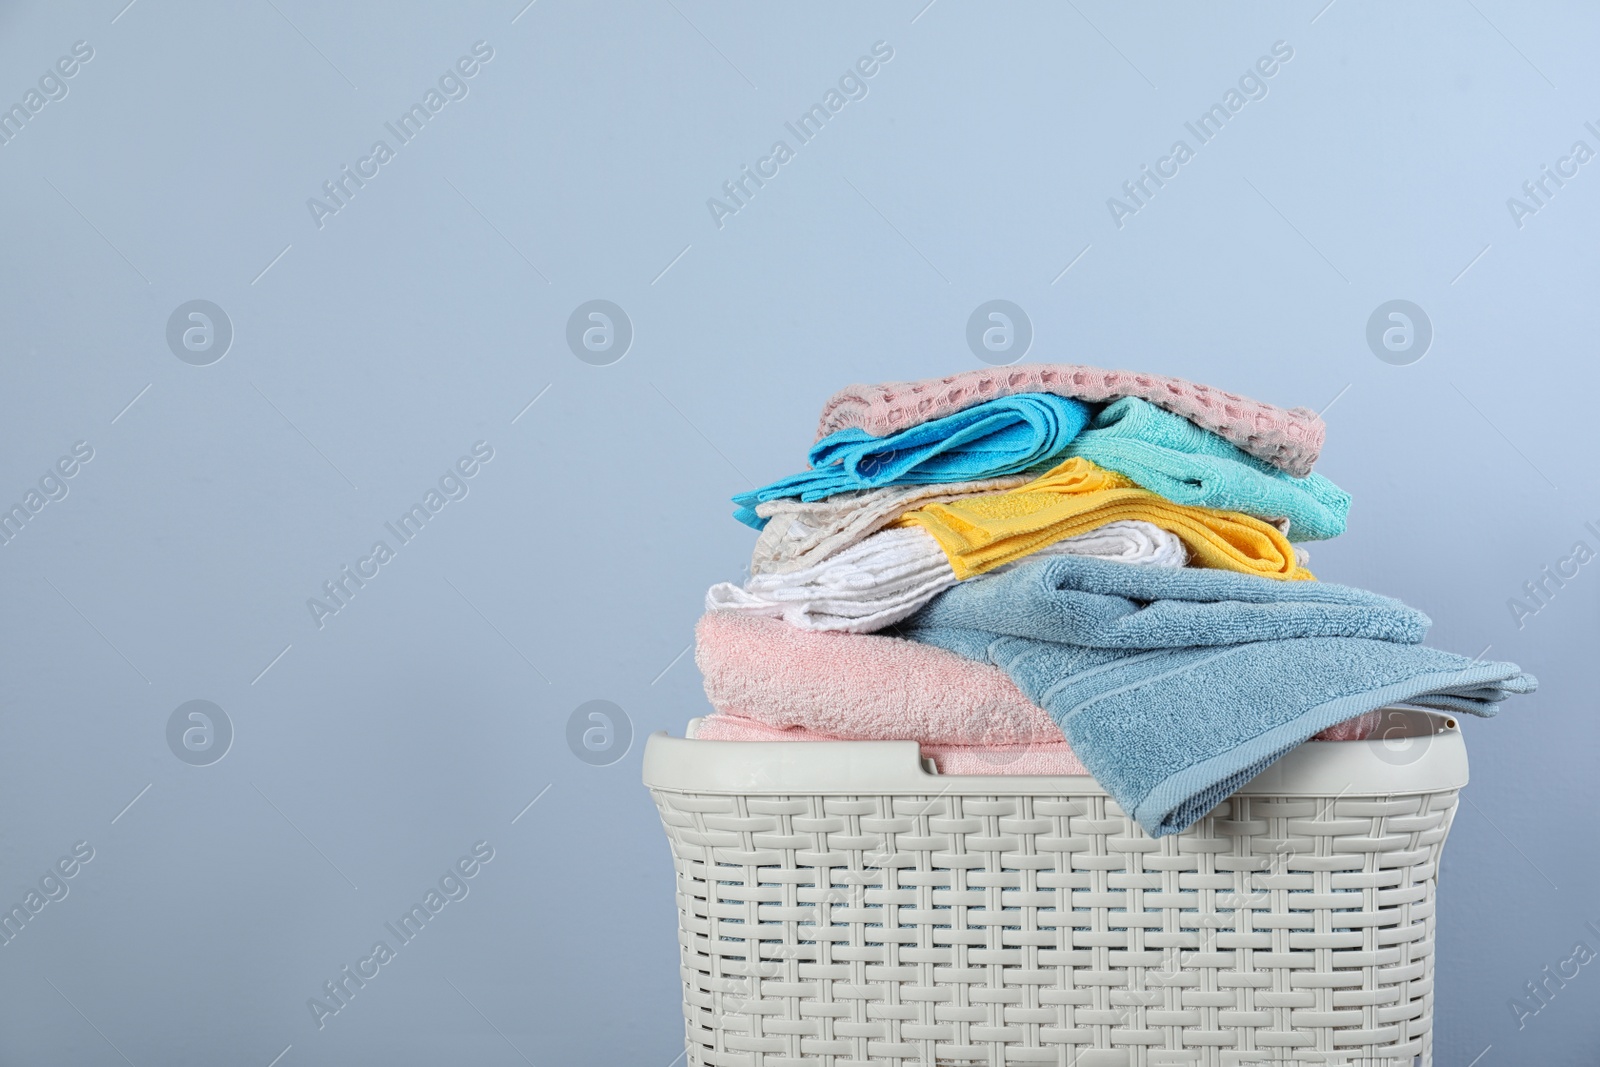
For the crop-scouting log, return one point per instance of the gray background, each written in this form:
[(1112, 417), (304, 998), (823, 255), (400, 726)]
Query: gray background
[(370, 353)]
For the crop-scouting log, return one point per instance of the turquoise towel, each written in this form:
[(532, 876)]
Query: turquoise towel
[(1175, 687), (1003, 436), (1170, 455)]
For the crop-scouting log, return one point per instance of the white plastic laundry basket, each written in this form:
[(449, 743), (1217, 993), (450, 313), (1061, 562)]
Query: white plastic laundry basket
[(841, 904)]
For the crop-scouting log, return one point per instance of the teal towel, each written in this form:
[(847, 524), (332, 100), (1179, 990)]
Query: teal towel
[(1175, 687), (1007, 435), (1170, 455)]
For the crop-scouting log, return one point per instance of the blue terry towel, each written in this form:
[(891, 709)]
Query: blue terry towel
[(1175, 687), (1007, 435), (1170, 455)]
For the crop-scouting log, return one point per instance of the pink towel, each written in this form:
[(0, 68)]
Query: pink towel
[(868, 687), (1359, 728), (1041, 757), (860, 686), (1289, 439)]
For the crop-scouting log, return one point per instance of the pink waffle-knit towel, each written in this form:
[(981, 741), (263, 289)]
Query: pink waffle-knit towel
[(873, 687), (1287, 438)]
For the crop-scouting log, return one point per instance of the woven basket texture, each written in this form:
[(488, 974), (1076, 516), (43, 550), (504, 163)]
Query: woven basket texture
[(1000, 930)]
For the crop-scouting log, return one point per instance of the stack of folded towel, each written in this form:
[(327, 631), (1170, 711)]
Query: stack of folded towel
[(1056, 569)]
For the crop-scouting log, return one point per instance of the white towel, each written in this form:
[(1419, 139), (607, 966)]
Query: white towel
[(886, 577), (801, 534)]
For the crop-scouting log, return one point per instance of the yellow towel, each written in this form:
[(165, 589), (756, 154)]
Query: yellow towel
[(979, 533)]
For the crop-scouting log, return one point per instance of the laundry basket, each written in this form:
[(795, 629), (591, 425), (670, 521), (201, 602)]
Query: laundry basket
[(839, 903)]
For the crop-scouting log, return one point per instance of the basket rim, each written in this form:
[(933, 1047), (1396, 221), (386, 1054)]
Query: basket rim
[(1433, 759)]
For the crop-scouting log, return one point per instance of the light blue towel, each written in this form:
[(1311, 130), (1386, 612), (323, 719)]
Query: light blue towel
[(1007, 435), (1175, 687), (1170, 455)]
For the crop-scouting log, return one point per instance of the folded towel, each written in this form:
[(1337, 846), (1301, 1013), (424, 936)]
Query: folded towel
[(1172, 456), (1175, 687), (979, 533), (1005, 436), (874, 687), (891, 574), (1040, 757), (1288, 439), (801, 533), (861, 687), (1359, 728)]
